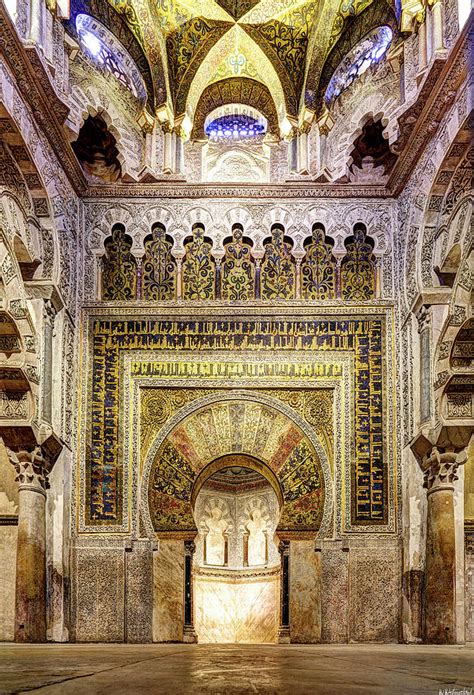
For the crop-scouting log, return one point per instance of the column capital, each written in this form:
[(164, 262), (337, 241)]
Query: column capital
[(284, 547), (49, 312), (440, 469), (189, 547), (423, 316), (31, 468)]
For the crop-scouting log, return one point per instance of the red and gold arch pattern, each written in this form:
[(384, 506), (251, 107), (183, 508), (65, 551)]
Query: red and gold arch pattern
[(236, 427)]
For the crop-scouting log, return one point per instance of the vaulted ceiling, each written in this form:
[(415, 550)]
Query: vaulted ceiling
[(191, 44)]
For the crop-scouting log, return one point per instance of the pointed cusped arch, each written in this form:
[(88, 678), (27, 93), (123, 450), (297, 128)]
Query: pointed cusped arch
[(286, 451)]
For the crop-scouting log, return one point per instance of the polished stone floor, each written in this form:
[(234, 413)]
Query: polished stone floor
[(97, 669)]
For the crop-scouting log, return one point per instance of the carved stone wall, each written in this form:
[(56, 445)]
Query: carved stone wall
[(217, 216)]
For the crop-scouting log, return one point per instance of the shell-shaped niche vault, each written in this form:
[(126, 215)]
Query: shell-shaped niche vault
[(208, 439)]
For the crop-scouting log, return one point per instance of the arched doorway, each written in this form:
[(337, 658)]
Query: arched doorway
[(236, 569), (254, 432)]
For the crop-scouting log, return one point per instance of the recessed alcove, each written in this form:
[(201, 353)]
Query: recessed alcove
[(236, 564)]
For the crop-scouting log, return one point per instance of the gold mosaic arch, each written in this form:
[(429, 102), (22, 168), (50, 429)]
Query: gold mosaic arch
[(236, 90), (229, 426), (241, 460)]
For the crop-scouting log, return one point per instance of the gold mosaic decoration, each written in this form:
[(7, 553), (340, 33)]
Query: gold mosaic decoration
[(119, 267), (358, 268), (318, 269), (278, 271), (236, 427), (238, 270), (361, 335), (199, 270), (158, 267)]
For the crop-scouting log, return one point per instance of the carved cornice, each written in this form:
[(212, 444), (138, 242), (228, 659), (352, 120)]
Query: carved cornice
[(43, 104), (303, 189)]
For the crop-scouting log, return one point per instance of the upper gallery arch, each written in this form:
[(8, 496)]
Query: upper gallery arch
[(236, 90), (328, 49), (119, 26)]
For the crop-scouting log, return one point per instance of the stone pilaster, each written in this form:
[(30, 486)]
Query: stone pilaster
[(30, 598), (424, 330), (49, 316), (440, 565)]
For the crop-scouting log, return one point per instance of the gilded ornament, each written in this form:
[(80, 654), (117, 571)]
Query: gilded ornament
[(199, 272), (278, 272), (119, 267), (238, 270), (358, 267), (158, 266), (318, 268)]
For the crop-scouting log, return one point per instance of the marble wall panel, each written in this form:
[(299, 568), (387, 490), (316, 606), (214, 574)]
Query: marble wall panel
[(469, 586), (244, 610), (168, 592), (334, 595), (99, 594), (139, 594), (8, 536), (305, 592), (58, 505), (374, 594)]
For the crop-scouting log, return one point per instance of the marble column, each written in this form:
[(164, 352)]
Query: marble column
[(284, 629), (440, 563), (36, 21), (30, 597), (422, 49), (189, 633), (168, 149), (436, 26)]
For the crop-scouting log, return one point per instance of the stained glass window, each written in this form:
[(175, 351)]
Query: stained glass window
[(100, 44), (369, 51), (235, 127)]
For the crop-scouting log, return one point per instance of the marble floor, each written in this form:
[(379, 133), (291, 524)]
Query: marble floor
[(96, 669)]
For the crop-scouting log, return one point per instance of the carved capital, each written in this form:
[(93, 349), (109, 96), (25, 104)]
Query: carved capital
[(31, 468), (189, 547), (424, 318), (49, 312), (166, 127), (440, 469), (284, 548)]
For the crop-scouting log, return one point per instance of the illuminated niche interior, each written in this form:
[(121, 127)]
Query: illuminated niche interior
[(236, 149), (236, 564)]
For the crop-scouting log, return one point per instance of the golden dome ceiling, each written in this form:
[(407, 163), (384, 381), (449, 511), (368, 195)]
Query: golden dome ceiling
[(191, 44)]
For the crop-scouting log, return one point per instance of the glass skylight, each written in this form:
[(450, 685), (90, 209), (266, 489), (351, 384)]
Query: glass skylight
[(369, 51)]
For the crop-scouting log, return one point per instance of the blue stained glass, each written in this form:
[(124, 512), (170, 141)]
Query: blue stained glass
[(368, 52), (234, 127)]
